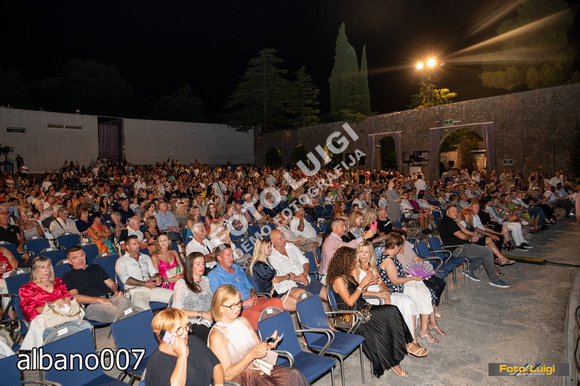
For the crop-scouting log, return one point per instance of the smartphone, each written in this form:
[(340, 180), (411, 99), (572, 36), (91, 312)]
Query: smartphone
[(274, 340), (166, 336), (373, 225)]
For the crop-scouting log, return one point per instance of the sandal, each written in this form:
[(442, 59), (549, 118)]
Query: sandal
[(429, 338), (403, 373), (420, 352), (506, 262), (438, 330), (438, 315)]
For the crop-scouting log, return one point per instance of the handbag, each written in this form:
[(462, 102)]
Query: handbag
[(267, 363), (55, 316)]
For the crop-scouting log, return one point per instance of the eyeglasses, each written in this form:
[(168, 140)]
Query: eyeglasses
[(235, 305), (183, 329)]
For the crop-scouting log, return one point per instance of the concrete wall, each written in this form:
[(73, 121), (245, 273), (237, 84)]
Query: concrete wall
[(43, 148), (149, 141), (532, 128), (146, 141)]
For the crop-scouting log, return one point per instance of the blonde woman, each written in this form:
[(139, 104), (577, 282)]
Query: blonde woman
[(366, 264), (235, 343), (167, 261), (267, 280)]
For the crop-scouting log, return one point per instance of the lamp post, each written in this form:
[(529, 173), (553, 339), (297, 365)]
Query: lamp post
[(428, 79)]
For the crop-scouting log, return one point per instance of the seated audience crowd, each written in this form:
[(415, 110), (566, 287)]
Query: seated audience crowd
[(220, 248)]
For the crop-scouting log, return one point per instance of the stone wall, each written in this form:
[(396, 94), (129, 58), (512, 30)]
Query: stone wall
[(532, 128)]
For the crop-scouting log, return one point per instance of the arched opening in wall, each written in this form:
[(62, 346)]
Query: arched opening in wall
[(110, 138), (300, 153), (462, 149), (388, 155), (273, 157)]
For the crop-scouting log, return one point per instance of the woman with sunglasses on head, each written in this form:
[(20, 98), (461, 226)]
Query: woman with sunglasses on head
[(179, 359), (193, 295), (235, 343), (267, 280)]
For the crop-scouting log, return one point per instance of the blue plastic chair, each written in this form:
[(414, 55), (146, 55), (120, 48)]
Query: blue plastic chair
[(313, 264), (36, 245), (11, 375), (442, 269), (312, 366), (135, 332), (61, 269), (68, 240), (54, 254), (80, 343), (447, 256), (108, 263), (312, 317), (13, 249), (91, 252)]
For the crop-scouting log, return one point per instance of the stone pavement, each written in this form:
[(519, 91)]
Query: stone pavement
[(521, 324)]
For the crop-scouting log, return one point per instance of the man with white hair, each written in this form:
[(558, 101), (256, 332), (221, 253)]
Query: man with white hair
[(202, 244), (300, 227), (62, 224)]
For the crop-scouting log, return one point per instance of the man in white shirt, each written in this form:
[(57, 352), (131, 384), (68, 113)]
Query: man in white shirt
[(300, 227), (200, 243), (140, 277), (288, 260), (62, 224), (420, 184)]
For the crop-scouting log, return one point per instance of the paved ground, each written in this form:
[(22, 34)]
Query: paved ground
[(485, 324), (522, 324)]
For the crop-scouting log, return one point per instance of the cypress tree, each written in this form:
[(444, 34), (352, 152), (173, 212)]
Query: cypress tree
[(365, 96)]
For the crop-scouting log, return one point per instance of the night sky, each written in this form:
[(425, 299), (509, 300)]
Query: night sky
[(158, 46)]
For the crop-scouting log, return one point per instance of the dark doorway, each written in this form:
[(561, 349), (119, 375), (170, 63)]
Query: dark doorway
[(110, 138), (388, 153)]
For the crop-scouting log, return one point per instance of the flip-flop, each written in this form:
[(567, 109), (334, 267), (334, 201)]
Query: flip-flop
[(509, 262)]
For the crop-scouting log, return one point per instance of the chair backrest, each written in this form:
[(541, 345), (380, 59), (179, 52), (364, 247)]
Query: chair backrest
[(9, 370), (331, 298), (91, 251), (397, 224), (77, 373), (68, 240), (19, 315), (435, 243), (283, 324), (14, 282), (37, 245), (54, 254), (61, 269), (312, 260), (12, 248), (423, 249), (108, 264), (311, 314), (324, 226), (135, 332)]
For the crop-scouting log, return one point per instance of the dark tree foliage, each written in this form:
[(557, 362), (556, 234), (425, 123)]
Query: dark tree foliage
[(180, 105), (304, 102), (91, 87), (261, 99)]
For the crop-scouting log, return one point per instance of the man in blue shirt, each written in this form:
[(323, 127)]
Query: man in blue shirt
[(226, 272), (167, 223)]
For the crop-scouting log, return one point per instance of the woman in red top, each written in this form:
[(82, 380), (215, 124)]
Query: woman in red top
[(42, 289), (7, 263)]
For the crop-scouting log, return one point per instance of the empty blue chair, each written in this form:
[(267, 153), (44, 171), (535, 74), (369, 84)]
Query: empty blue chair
[(329, 210), (80, 343), (68, 240), (135, 332), (36, 245), (320, 212), (312, 317), (313, 264), (324, 226), (311, 365)]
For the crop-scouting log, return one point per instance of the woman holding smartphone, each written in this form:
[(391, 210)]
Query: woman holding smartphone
[(179, 359), (238, 348)]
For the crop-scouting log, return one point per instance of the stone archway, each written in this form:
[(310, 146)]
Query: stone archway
[(462, 149), (374, 156), (435, 142)]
